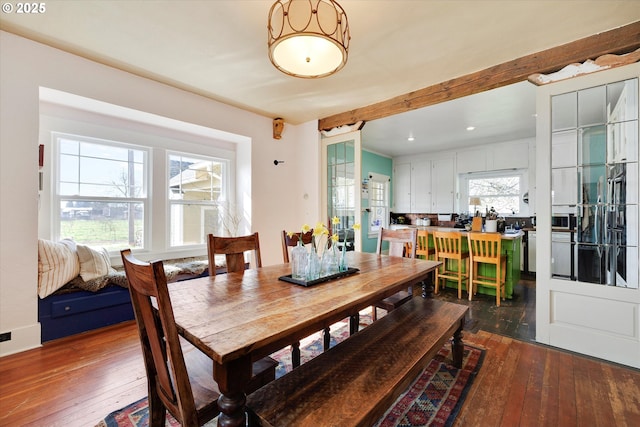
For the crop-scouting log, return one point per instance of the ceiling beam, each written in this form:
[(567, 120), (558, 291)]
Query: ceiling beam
[(617, 41)]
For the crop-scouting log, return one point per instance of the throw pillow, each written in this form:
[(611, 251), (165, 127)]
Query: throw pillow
[(57, 264), (93, 262)]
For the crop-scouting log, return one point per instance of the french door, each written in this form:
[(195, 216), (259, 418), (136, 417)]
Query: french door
[(587, 291), (341, 177)]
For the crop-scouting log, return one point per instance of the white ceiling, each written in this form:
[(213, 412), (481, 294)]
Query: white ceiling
[(218, 48)]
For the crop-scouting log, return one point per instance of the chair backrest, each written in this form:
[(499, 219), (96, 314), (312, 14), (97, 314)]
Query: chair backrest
[(402, 243), (234, 249), (163, 357), (422, 244), (485, 247), (448, 244), (288, 242)]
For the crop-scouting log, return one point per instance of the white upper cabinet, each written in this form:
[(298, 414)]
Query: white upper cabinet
[(443, 186), (421, 186), (402, 187)]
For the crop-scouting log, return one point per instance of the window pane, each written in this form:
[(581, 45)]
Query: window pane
[(500, 193), (114, 226), (194, 179), (191, 223)]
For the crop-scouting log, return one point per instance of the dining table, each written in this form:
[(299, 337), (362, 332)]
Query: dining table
[(238, 318)]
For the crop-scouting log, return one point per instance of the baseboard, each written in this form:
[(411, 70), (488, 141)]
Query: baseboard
[(22, 339)]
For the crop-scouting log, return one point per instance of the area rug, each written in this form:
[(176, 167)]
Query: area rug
[(434, 399)]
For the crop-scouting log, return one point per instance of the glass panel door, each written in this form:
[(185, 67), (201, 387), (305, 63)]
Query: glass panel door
[(341, 160)]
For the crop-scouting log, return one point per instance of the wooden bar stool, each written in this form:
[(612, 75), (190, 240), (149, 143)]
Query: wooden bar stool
[(422, 246), (485, 248), (449, 248)]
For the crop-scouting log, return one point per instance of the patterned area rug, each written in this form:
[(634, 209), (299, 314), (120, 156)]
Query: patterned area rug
[(434, 399)]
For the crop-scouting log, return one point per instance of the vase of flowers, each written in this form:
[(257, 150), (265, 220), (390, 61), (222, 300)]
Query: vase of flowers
[(299, 260), (330, 260), (342, 264)]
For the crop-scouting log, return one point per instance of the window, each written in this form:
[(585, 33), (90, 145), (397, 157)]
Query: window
[(101, 191), (498, 190), (378, 203), (197, 194)]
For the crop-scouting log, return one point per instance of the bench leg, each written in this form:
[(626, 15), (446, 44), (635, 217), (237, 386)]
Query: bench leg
[(457, 347)]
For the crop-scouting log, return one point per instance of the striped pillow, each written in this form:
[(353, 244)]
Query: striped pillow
[(93, 262), (57, 264)]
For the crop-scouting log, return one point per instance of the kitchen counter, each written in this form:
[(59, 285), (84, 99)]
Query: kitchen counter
[(511, 247), (432, 228)]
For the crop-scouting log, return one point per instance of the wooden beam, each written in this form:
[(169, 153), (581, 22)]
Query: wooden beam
[(617, 41)]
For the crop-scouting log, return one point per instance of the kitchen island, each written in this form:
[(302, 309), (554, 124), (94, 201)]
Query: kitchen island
[(511, 244)]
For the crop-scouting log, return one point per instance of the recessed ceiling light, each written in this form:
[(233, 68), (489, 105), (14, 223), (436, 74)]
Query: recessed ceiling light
[(411, 139), (470, 128)]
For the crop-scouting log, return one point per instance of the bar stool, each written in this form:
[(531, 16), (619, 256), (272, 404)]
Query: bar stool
[(485, 248), (449, 248), (422, 246)]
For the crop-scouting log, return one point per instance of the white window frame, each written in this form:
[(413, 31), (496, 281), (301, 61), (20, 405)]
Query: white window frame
[(57, 197), (522, 174), (376, 179), (222, 203)]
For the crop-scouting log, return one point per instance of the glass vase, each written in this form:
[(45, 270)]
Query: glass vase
[(343, 258), (313, 266), (299, 261), (330, 262)]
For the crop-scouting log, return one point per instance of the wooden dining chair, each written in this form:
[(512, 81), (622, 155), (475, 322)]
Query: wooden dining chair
[(179, 376), (402, 243), (449, 250), (234, 249), (486, 248), (289, 242)]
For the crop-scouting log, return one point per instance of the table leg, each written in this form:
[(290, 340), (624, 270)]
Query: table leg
[(457, 347), (232, 379), (326, 335), (354, 323)]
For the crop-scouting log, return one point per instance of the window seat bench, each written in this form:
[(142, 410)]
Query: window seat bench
[(355, 382), (83, 306)]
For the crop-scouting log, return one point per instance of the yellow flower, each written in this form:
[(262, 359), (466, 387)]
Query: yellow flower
[(290, 234), (356, 226), (319, 226), (318, 230), (335, 220), (335, 238), (306, 228)]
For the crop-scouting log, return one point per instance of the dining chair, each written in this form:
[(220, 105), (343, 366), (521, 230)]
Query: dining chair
[(402, 243), (486, 248), (287, 243), (234, 249), (449, 250), (179, 376)]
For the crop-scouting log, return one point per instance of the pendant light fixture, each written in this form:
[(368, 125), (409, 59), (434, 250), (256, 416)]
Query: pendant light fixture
[(308, 38)]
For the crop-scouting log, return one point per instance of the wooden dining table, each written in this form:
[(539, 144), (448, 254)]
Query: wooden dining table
[(238, 318)]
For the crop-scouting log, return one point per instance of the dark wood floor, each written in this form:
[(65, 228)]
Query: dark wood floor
[(76, 381)]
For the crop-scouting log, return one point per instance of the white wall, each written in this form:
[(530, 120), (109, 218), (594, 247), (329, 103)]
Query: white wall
[(273, 195)]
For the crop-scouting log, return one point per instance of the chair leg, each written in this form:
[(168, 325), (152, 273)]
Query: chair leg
[(437, 281), (295, 354), (326, 335)]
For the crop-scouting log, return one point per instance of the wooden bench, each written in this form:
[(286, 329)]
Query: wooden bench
[(355, 382)]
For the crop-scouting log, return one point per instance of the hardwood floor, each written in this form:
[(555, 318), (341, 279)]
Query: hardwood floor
[(76, 381)]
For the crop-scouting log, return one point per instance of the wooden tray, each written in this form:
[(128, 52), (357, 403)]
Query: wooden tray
[(289, 279)]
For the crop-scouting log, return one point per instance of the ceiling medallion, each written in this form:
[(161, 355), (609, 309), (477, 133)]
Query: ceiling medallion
[(308, 38)]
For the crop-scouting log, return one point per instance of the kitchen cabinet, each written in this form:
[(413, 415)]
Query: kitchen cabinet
[(424, 186), (421, 179), (443, 187), (402, 187)]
